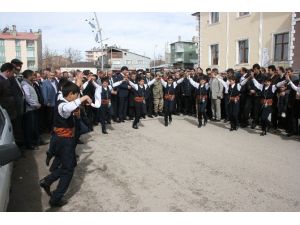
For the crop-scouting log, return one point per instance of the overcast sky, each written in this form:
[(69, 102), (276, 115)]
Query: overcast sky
[(139, 32)]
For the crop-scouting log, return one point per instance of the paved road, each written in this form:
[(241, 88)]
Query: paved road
[(175, 168)]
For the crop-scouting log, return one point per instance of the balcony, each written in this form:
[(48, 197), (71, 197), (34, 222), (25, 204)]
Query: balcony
[(30, 58)]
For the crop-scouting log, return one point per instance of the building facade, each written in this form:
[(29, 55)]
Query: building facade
[(240, 39), (296, 30), (26, 46), (93, 54), (183, 54), (114, 58)]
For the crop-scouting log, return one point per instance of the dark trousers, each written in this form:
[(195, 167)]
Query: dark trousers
[(62, 168), (292, 120), (18, 130), (252, 107), (31, 133), (178, 104), (202, 111), (123, 105), (49, 117), (275, 113), (104, 115), (266, 111), (149, 105), (233, 113), (168, 109), (187, 104), (42, 119), (114, 106), (226, 106), (140, 110)]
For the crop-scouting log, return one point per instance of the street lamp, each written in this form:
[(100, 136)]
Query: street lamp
[(154, 58), (98, 37)]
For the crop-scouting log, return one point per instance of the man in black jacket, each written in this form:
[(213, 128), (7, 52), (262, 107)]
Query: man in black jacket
[(123, 91), (20, 103), (186, 89), (7, 100)]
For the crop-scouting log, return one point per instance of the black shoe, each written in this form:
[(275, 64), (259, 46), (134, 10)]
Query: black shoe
[(205, 122), (79, 142), (123, 121), (225, 121), (45, 186), (118, 121), (217, 120), (253, 125), (150, 116), (263, 133), (58, 204), (160, 114), (134, 126), (166, 123), (170, 121), (108, 122), (104, 131), (199, 125), (155, 114)]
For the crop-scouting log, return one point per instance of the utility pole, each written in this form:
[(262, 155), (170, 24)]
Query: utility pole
[(101, 41)]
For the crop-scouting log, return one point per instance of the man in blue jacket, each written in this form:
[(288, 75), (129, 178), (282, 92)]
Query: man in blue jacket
[(49, 90)]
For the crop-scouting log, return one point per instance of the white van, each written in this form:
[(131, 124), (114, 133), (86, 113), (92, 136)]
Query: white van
[(8, 153)]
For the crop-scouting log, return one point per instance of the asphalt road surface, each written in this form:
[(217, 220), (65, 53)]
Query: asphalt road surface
[(174, 168)]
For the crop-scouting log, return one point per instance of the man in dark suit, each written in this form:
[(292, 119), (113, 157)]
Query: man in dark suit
[(149, 96), (18, 93), (123, 91), (7, 100)]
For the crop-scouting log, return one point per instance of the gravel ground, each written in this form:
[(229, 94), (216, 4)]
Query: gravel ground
[(174, 168)]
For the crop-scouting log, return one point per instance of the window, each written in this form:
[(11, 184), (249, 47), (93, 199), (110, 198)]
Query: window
[(30, 44), (281, 47), (30, 53), (2, 54), (128, 62), (30, 64), (241, 14), (214, 54), (18, 43), (214, 17), (1, 42), (140, 62), (243, 51), (18, 54)]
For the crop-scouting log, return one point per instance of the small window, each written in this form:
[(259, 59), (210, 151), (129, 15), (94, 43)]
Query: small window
[(214, 54), (128, 62), (241, 14), (30, 64), (243, 51), (18, 43), (30, 53), (140, 62), (30, 44), (281, 47), (1, 42), (18, 54), (214, 17)]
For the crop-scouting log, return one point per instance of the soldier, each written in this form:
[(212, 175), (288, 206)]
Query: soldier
[(158, 95)]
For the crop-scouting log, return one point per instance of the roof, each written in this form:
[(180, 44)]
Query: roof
[(124, 50), (19, 36), (83, 65), (190, 42)]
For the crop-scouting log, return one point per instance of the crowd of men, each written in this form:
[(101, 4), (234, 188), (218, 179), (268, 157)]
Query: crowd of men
[(30, 101)]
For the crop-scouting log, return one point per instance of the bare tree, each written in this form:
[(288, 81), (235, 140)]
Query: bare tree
[(73, 55), (52, 60)]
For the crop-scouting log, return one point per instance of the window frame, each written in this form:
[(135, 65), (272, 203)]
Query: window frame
[(211, 18), (238, 51), (211, 60), (282, 46)]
